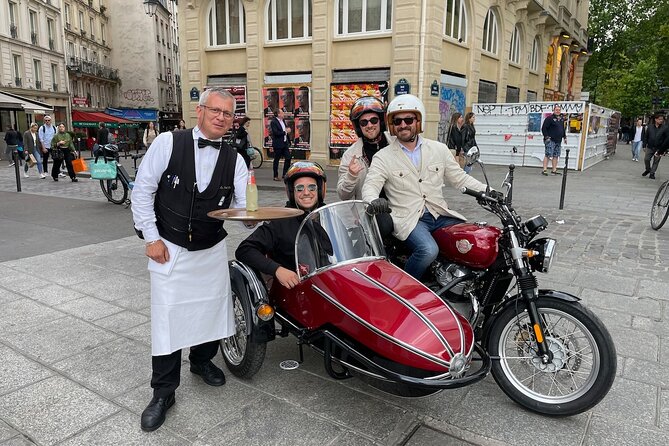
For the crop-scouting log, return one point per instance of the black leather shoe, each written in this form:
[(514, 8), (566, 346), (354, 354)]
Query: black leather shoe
[(154, 415), (652, 176), (211, 374), (645, 172), (74, 180)]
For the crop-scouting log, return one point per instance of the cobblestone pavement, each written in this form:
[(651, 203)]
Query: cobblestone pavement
[(75, 339)]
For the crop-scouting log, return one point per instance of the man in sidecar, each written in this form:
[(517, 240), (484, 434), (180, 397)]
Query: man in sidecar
[(411, 170), (270, 248)]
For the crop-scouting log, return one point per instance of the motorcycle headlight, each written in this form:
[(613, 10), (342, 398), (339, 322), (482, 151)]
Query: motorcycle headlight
[(545, 249)]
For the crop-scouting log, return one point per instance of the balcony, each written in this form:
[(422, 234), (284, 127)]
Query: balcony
[(85, 67), (38, 85), (33, 38), (104, 42), (68, 26), (90, 3), (54, 87), (83, 33), (52, 44), (17, 81), (13, 31)]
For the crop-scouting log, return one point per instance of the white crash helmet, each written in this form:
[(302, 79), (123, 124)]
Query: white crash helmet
[(405, 103)]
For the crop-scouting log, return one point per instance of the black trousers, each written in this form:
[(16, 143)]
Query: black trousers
[(167, 369), (45, 160), (650, 157), (55, 169), (278, 153)]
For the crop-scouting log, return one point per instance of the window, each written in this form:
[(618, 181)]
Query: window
[(13, 15), (49, 31), (487, 92), (81, 22), (534, 56), (363, 16), (84, 53), (225, 21), (67, 16), (32, 18), (54, 77), (16, 59), (70, 49), (455, 23), (516, 44), (102, 33), (37, 73), (288, 19), (91, 23), (490, 32)]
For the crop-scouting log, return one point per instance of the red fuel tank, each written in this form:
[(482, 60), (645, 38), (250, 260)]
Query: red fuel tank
[(469, 244)]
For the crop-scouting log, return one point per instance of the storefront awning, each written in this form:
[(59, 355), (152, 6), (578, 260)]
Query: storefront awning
[(82, 119), (134, 114), (9, 101)]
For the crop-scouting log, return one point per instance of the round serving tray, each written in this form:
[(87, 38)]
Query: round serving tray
[(262, 214)]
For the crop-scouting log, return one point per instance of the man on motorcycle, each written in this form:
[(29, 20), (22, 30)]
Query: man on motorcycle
[(271, 247), (411, 171)]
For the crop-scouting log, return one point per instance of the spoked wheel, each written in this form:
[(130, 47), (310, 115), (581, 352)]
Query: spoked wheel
[(257, 160), (115, 190), (242, 356), (582, 360), (660, 210)]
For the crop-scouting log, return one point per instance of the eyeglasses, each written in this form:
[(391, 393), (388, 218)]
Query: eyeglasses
[(373, 121), (218, 112), (407, 121), (310, 187)]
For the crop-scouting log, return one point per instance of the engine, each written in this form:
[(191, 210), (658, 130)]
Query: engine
[(445, 273)]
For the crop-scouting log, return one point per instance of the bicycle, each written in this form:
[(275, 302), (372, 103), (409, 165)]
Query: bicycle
[(110, 188), (660, 210)]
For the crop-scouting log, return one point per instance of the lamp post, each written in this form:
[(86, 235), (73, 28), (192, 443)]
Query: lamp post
[(150, 7)]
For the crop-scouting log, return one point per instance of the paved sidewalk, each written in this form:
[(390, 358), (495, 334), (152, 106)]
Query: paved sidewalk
[(75, 337)]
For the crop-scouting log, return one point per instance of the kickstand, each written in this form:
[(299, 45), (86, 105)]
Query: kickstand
[(299, 347)]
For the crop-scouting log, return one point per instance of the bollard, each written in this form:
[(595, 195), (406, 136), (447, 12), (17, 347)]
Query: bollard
[(564, 178), (15, 158)]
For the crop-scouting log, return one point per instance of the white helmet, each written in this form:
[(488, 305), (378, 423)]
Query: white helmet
[(405, 103)]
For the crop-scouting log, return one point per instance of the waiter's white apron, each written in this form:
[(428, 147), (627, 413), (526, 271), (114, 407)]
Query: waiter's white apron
[(190, 298)]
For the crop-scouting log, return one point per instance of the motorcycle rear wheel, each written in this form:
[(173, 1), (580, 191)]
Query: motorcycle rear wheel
[(242, 356), (583, 364)]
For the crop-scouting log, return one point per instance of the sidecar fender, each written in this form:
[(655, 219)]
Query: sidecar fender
[(252, 294)]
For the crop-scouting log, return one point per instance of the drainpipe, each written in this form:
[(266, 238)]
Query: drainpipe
[(421, 52)]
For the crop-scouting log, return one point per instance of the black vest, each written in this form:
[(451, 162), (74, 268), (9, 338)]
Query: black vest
[(181, 210)]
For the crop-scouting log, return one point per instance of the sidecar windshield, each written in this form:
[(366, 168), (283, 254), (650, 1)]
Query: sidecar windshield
[(336, 233)]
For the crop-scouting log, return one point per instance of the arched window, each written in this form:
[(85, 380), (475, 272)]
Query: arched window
[(363, 16), (288, 19), (455, 22), (534, 56), (225, 21), (516, 44), (490, 32)]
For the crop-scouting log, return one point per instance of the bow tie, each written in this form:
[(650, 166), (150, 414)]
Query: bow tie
[(202, 143)]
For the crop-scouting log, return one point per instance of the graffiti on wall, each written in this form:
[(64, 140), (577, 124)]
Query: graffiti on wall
[(524, 109), (451, 100), (138, 95)]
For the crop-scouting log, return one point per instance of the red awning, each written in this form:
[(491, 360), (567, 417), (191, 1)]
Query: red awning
[(82, 116)]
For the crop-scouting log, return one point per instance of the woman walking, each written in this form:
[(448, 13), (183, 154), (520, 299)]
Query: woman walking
[(469, 136), (150, 134), (637, 142), (31, 146), (455, 137)]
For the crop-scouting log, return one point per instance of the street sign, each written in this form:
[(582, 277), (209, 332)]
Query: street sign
[(194, 94), (434, 88), (402, 87)]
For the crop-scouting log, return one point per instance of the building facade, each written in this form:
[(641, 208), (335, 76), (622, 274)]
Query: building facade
[(32, 55), (146, 53), (451, 53)]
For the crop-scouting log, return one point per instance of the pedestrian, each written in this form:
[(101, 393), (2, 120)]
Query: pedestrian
[(182, 125), (554, 133), (150, 134), (411, 171), (651, 143), (103, 134), (45, 134), (455, 139), (13, 140), (271, 247), (637, 139), (62, 149), (280, 133), (240, 140), (184, 175), (31, 147), (469, 136)]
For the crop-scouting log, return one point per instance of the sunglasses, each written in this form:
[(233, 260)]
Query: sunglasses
[(309, 187), (364, 122), (407, 121)]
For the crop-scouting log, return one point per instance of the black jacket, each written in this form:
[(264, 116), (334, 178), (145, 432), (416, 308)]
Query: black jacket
[(468, 136), (278, 134), (456, 138), (651, 138), (553, 128), (13, 138), (103, 136), (663, 140)]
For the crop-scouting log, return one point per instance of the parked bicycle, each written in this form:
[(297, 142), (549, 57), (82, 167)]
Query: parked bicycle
[(116, 189), (660, 210)]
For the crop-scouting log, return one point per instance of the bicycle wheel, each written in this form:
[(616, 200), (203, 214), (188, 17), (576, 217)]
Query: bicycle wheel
[(660, 210), (256, 162), (115, 190)]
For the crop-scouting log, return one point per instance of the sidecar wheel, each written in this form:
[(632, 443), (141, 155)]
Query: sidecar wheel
[(582, 367), (242, 356)]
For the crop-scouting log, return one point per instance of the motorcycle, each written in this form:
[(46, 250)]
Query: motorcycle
[(479, 310)]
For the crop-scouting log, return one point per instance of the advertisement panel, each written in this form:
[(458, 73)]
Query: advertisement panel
[(294, 102)]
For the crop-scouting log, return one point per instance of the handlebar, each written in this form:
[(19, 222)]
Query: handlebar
[(478, 195)]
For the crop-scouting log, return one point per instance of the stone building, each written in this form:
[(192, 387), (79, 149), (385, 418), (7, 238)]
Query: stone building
[(451, 53)]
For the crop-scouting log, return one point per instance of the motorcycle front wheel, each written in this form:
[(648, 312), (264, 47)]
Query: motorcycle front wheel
[(582, 363), (242, 356)]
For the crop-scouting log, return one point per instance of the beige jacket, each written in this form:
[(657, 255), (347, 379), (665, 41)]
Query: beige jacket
[(410, 189), (349, 187)]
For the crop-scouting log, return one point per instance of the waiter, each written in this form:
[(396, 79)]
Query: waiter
[(184, 175)]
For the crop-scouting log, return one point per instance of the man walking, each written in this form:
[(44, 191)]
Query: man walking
[(45, 134), (280, 142), (652, 144), (554, 133)]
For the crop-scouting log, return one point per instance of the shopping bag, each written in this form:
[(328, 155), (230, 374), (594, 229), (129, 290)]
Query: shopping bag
[(103, 170), (79, 165), (31, 160)]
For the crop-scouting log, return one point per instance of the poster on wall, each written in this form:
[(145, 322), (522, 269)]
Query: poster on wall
[(451, 100), (342, 97), (294, 102)]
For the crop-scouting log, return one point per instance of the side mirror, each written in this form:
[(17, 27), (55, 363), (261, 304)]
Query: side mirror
[(472, 155)]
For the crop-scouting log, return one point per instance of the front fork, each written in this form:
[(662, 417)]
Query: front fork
[(528, 287)]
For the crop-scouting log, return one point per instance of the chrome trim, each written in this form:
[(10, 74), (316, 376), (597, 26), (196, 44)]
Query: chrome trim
[(411, 308), (342, 263), (258, 287), (384, 335)]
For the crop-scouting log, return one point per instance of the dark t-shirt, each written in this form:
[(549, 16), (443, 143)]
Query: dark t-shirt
[(103, 136)]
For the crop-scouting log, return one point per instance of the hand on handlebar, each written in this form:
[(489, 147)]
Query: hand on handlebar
[(378, 206)]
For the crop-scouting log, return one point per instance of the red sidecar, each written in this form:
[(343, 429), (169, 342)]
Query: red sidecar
[(362, 313)]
